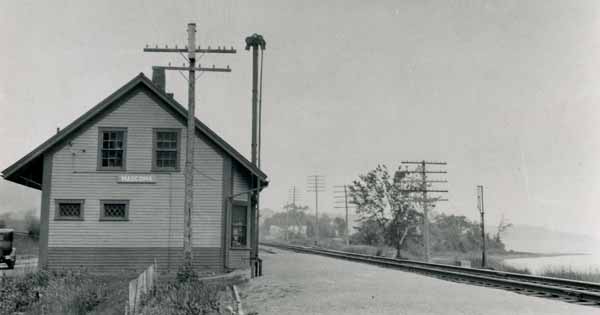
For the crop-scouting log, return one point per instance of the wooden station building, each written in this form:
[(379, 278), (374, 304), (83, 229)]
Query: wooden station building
[(112, 186)]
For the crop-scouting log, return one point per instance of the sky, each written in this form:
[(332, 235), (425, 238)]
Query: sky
[(506, 92)]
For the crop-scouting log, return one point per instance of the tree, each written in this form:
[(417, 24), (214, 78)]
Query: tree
[(458, 234), (291, 220), (32, 225), (502, 227), (368, 232), (450, 232), (340, 226), (381, 199)]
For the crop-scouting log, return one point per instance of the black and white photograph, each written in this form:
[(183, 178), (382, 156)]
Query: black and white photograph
[(275, 157)]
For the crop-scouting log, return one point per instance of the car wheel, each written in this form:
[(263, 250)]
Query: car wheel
[(11, 264)]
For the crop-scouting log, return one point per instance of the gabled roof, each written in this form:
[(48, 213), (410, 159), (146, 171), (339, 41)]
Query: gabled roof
[(31, 163)]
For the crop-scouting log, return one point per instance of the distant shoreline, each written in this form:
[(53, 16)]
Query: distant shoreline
[(516, 255), (503, 256)]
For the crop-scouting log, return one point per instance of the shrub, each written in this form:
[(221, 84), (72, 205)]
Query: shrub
[(186, 295), (18, 293), (569, 273)]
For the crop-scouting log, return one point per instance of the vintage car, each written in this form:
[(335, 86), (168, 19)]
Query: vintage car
[(8, 254)]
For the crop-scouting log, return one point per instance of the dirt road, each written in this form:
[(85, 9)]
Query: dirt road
[(306, 284)]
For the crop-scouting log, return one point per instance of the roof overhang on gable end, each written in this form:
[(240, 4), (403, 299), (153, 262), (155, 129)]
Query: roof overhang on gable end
[(29, 169), (29, 175)]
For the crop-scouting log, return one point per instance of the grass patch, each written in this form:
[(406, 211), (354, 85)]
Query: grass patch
[(187, 294), (498, 264), (26, 246), (63, 292), (569, 273)]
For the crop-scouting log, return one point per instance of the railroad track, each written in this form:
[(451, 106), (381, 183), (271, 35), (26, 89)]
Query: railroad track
[(571, 291)]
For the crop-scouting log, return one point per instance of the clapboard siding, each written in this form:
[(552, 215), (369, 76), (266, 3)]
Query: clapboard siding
[(132, 258), (241, 182), (155, 210), (239, 258)]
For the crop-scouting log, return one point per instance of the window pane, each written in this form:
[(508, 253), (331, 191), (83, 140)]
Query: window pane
[(238, 236), (69, 210), (166, 149), (112, 150), (115, 210), (239, 225), (238, 216), (166, 159)]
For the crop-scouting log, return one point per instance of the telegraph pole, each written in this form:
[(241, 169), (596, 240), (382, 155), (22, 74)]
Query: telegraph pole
[(316, 184), (292, 196), (341, 201), (191, 50), (481, 212), (291, 203), (425, 183)]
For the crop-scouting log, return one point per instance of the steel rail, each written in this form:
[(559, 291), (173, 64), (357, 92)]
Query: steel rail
[(575, 284), (570, 290)]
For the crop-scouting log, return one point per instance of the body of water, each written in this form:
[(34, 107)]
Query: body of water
[(585, 263)]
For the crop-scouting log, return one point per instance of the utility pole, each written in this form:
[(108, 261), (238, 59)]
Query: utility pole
[(191, 50), (316, 184), (291, 204), (425, 200), (481, 212), (292, 195), (340, 195)]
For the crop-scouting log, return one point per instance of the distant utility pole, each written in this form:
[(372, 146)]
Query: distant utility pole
[(481, 212), (292, 195), (291, 203), (316, 184), (191, 50), (425, 183), (340, 195)]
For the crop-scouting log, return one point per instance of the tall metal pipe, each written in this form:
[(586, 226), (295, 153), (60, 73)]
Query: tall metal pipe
[(255, 42)]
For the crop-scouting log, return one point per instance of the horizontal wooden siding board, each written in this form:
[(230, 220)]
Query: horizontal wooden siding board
[(121, 258), (156, 210)]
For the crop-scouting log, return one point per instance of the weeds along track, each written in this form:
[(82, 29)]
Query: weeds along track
[(571, 291)]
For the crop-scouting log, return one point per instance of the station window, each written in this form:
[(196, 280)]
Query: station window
[(114, 210), (166, 150), (69, 209), (112, 148), (239, 226)]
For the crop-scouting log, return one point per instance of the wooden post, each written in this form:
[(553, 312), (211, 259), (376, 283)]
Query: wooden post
[(189, 153), (482, 212), (346, 205), (425, 213)]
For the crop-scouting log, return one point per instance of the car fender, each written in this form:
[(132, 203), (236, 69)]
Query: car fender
[(13, 253)]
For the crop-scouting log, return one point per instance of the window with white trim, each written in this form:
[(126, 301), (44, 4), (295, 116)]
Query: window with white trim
[(165, 155), (112, 148), (239, 225)]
